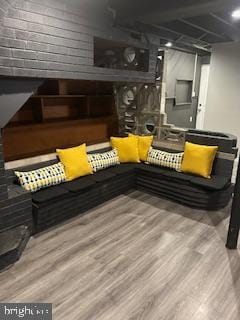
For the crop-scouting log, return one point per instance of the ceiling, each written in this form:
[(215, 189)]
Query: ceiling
[(186, 23)]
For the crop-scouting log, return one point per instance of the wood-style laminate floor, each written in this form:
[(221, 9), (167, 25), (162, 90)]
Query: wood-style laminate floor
[(135, 257)]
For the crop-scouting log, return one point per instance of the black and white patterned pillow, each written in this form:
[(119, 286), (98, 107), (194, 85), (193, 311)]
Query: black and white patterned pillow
[(100, 161), (42, 178), (165, 159)]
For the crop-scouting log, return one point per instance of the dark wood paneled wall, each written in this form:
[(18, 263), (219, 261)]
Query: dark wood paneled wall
[(26, 141), (62, 113), (51, 39)]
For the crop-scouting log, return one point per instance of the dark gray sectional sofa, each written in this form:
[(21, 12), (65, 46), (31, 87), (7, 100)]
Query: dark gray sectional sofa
[(58, 203)]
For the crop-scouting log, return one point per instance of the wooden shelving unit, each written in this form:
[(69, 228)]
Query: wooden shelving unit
[(61, 113)]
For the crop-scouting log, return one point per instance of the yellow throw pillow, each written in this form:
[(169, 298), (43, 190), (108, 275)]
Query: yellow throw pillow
[(198, 159), (144, 144), (75, 162), (127, 149)]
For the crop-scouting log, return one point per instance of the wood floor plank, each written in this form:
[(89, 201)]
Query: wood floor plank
[(137, 257)]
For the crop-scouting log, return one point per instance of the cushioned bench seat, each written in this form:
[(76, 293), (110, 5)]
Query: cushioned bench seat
[(123, 168), (174, 175), (215, 183), (79, 185), (103, 175), (184, 188), (195, 191), (75, 197), (58, 203), (154, 170), (49, 194)]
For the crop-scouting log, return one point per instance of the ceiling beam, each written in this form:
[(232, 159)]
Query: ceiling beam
[(178, 39), (225, 22), (180, 34), (202, 29), (161, 13), (232, 31)]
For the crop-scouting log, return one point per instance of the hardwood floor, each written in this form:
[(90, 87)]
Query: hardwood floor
[(135, 257)]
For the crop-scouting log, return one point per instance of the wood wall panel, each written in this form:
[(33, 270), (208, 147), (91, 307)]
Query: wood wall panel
[(51, 119), (26, 141)]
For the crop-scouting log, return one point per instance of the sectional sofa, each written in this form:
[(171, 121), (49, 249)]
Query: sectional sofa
[(55, 204)]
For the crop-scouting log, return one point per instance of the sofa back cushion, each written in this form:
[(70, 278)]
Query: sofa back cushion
[(165, 159), (100, 161), (41, 178)]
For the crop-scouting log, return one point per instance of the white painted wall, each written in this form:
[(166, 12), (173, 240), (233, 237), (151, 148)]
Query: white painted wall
[(223, 100)]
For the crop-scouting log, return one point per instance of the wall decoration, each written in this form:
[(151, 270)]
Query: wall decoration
[(173, 134), (140, 112), (129, 55), (149, 98), (126, 100), (128, 96), (141, 108), (150, 125), (117, 55)]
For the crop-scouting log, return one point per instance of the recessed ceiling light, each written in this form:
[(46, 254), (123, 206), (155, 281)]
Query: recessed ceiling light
[(236, 14), (168, 44)]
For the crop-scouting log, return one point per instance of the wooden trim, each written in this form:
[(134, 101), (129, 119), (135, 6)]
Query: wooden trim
[(48, 157)]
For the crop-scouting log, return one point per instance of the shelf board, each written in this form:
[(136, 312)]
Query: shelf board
[(57, 96), (59, 121), (70, 96), (83, 119), (183, 104)]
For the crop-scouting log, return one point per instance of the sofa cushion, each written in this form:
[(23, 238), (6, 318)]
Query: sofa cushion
[(177, 175), (150, 168), (79, 185), (103, 175), (215, 183), (48, 194), (123, 168)]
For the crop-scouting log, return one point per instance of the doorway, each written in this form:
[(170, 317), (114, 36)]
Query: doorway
[(202, 96)]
